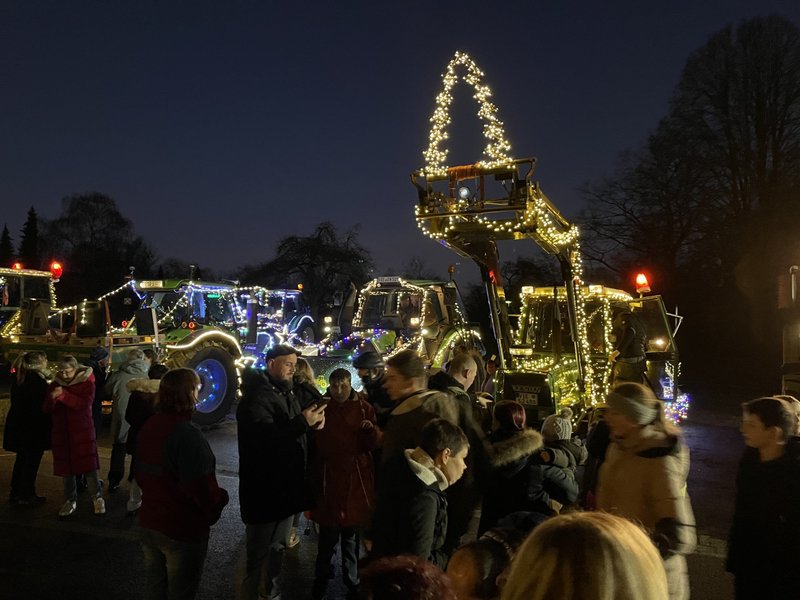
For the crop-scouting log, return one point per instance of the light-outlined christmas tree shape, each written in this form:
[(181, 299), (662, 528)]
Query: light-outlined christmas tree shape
[(497, 150)]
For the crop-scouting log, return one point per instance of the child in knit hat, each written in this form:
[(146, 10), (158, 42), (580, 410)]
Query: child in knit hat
[(557, 434)]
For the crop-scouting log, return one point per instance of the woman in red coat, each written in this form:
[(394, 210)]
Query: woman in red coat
[(343, 475), (74, 442)]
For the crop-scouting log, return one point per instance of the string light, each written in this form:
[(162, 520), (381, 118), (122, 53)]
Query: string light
[(497, 147), (446, 217)]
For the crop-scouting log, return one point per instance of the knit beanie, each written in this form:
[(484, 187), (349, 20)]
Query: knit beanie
[(637, 402), (558, 427), (98, 354)]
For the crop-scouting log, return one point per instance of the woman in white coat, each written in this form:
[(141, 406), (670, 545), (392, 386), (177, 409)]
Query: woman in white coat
[(644, 476)]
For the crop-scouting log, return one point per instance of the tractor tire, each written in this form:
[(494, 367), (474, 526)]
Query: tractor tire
[(218, 382)]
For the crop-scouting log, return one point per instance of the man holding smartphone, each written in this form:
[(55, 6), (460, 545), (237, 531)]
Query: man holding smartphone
[(273, 447)]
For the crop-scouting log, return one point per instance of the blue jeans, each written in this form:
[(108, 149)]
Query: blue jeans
[(265, 544), (71, 486), (172, 569), (328, 538)]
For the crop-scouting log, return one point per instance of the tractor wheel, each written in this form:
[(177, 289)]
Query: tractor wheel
[(217, 392)]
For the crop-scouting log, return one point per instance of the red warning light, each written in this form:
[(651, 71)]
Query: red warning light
[(192, 325), (642, 285), (17, 266), (56, 269), (124, 324)]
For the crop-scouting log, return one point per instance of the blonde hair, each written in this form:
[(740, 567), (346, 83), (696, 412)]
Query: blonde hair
[(31, 361), (303, 373), (587, 556)]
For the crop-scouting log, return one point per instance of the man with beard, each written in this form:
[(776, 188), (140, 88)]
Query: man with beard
[(272, 435)]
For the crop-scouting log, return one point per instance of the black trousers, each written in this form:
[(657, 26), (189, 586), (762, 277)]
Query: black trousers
[(116, 469), (23, 477)]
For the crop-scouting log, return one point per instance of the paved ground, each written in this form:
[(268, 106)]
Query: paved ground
[(98, 556)]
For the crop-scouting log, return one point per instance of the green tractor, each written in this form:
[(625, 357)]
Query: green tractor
[(393, 314), (198, 325)]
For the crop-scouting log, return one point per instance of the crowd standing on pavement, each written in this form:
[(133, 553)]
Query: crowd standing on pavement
[(378, 472)]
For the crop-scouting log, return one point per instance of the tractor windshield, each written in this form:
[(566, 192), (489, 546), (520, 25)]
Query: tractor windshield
[(391, 309), (652, 314), (14, 289), (165, 304), (210, 308), (548, 330)]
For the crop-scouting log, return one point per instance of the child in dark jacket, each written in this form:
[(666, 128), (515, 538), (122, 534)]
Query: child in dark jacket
[(764, 541), (411, 508)]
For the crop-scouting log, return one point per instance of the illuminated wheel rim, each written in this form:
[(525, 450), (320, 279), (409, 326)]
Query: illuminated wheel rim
[(213, 385)]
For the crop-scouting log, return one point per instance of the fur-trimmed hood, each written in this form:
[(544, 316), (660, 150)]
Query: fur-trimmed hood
[(516, 448), (148, 386), (423, 467), (82, 373)]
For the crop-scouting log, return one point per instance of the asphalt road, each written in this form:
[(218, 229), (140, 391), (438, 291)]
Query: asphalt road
[(90, 556)]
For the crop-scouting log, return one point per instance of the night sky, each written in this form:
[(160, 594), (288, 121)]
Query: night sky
[(221, 127)]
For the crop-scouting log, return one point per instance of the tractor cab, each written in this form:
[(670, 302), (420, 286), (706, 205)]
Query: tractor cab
[(544, 373), (394, 313), (27, 290), (180, 304)]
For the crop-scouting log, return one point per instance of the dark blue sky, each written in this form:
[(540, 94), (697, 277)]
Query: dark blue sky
[(220, 127)]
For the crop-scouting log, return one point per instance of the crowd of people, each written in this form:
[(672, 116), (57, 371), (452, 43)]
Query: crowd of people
[(428, 487)]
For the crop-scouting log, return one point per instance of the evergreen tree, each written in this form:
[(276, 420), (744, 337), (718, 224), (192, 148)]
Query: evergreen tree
[(29, 242), (6, 249)]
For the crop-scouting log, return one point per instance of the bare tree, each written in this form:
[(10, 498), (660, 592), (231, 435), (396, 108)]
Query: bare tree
[(323, 262), (710, 202)]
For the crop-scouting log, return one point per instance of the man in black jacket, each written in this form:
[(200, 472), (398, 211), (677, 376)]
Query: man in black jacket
[(464, 497), (629, 356), (411, 507), (272, 432)]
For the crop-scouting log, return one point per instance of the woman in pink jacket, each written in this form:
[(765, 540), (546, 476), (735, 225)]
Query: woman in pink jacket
[(73, 437)]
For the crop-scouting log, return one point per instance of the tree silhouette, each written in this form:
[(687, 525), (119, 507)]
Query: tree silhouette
[(6, 249), (710, 202), (323, 262), (98, 245), (416, 268), (29, 241)]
